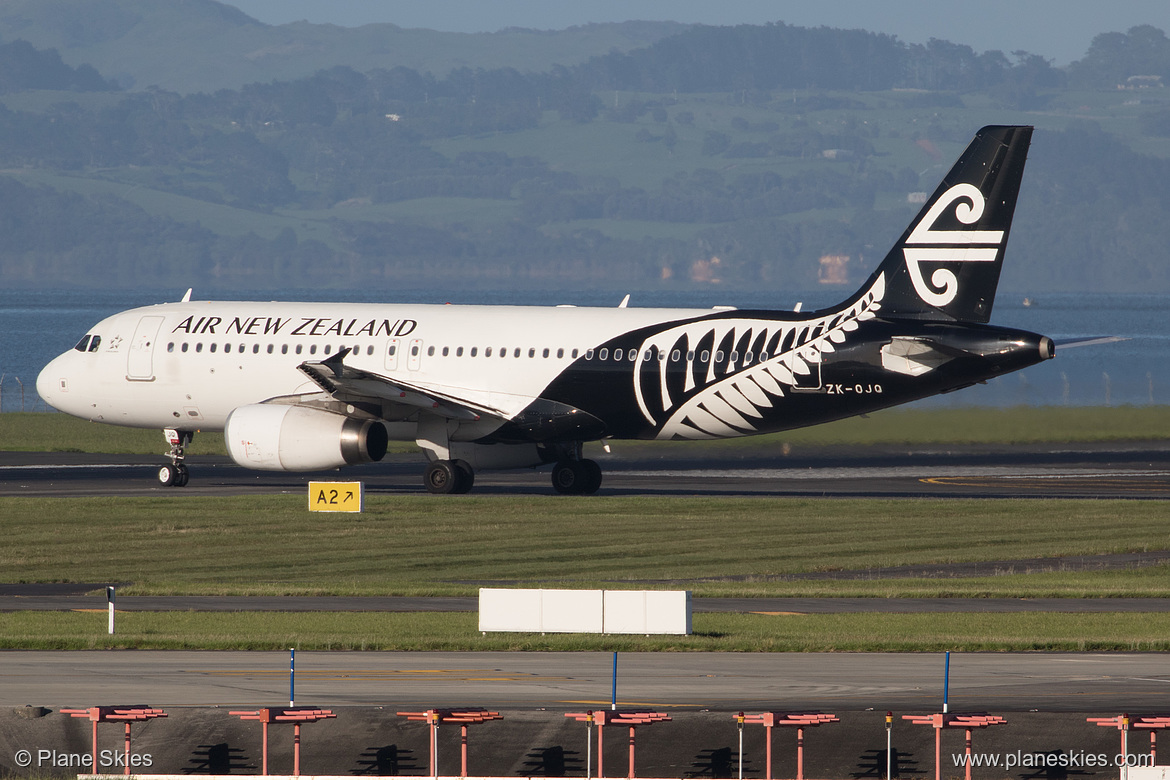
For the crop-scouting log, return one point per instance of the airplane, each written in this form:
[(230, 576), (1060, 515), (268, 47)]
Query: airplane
[(313, 386)]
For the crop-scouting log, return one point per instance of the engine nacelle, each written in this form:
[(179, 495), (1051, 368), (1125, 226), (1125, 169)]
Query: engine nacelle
[(276, 437)]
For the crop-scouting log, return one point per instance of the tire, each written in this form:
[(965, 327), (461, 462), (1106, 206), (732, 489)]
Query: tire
[(568, 477), (167, 476), (592, 477), (465, 476), (182, 475), (441, 477)]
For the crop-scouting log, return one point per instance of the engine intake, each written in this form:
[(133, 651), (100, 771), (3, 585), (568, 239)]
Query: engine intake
[(274, 437)]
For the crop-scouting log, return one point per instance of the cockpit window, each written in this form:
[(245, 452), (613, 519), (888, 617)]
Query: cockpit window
[(93, 345), (83, 344)]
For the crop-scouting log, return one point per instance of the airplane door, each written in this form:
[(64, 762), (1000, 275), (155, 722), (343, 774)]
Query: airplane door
[(812, 379), (140, 357), (415, 358)]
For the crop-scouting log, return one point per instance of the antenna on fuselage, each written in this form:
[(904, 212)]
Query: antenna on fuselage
[(625, 302), (187, 295)]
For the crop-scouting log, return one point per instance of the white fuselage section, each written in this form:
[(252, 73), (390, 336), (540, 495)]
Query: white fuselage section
[(189, 365)]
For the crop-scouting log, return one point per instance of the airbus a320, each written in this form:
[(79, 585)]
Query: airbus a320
[(312, 386)]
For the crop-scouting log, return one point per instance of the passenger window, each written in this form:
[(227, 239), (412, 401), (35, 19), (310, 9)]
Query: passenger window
[(370, 350), (284, 349), (690, 355), (270, 349), (474, 350), (617, 354), (393, 349), (574, 354), (184, 347), (503, 352), (298, 350), (459, 352), (734, 356), (589, 354), (719, 356), (255, 349), (430, 351), (214, 346), (649, 355), (532, 352), (93, 345), (545, 353), (486, 353), (83, 344), (763, 356), (446, 351), (603, 354), (703, 358), (312, 349), (747, 358), (561, 352), (674, 356), (171, 347), (243, 348), (516, 353), (199, 347), (633, 355), (328, 348)]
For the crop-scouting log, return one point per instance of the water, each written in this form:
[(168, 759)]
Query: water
[(37, 325)]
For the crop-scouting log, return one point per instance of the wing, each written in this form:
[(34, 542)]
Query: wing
[(349, 383)]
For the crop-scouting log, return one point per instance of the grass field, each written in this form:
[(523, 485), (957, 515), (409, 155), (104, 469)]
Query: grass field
[(1146, 632), (426, 545)]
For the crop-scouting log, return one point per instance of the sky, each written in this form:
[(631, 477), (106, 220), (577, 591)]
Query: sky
[(1059, 30)]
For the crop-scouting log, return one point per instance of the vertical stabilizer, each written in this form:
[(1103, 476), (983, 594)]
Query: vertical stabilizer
[(946, 265)]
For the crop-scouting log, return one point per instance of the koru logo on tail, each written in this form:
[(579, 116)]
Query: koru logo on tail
[(949, 246)]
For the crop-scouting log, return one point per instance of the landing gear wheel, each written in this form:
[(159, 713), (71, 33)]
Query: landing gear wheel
[(592, 477), (465, 476), (568, 476), (576, 477), (167, 475), (441, 477), (182, 475)]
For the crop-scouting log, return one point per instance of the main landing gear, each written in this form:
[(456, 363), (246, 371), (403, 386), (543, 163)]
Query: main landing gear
[(175, 474), (449, 476), (576, 477), (570, 477)]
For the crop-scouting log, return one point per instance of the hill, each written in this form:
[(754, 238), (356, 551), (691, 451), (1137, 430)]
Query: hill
[(738, 156), (202, 45)]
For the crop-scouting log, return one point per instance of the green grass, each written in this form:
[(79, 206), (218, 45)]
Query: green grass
[(50, 432), (426, 545), (419, 631)]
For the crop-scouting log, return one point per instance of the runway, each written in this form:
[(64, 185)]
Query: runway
[(998, 682), (1136, 470)]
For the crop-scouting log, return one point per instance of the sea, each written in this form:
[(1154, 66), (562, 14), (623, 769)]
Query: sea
[(37, 325)]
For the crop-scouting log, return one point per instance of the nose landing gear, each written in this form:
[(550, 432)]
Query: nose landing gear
[(176, 474)]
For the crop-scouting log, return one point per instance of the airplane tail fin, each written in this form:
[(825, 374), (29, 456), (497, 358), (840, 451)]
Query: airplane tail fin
[(946, 265)]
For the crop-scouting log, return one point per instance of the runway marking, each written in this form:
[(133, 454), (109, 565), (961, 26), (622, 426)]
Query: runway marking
[(773, 614), (1128, 481)]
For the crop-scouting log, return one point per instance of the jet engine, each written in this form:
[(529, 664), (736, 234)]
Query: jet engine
[(275, 437)]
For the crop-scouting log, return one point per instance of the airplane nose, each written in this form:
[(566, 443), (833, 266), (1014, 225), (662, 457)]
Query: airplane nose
[(52, 381)]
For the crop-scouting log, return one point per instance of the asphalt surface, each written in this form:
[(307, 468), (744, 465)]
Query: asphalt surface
[(1138, 470), (995, 682)]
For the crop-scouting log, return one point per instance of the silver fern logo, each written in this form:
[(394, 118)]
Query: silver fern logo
[(949, 246), (727, 390)]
